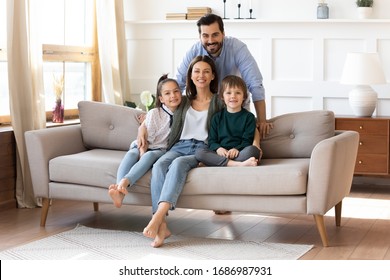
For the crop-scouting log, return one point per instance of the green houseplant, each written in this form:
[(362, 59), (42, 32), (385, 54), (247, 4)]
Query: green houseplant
[(364, 3), (364, 8)]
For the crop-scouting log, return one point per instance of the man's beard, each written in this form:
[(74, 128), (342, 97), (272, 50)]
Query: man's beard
[(215, 48)]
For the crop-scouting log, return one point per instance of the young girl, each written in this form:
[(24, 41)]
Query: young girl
[(140, 158), (232, 130)]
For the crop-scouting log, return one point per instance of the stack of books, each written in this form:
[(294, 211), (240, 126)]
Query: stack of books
[(176, 16), (197, 12)]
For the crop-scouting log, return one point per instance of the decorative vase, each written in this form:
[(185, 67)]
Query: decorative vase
[(58, 112), (322, 11), (364, 12)]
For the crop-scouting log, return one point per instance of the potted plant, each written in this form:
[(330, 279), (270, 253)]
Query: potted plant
[(364, 8)]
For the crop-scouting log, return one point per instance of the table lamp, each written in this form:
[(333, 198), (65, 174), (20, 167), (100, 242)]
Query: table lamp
[(363, 70)]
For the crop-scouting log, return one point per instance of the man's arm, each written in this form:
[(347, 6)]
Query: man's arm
[(263, 126)]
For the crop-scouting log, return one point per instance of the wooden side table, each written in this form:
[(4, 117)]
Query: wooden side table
[(373, 153)]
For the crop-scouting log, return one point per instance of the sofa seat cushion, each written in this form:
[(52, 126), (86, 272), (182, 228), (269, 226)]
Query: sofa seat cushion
[(271, 177), (95, 167), (98, 167)]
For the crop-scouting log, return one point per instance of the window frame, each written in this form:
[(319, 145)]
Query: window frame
[(67, 53)]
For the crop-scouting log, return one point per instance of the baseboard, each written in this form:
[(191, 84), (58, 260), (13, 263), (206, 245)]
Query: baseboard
[(370, 180)]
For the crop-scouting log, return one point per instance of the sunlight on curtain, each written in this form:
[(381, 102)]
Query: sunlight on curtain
[(25, 87), (112, 50)]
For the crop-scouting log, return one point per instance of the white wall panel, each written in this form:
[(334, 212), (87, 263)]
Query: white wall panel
[(292, 60), (339, 105), (384, 53), (286, 104), (383, 107)]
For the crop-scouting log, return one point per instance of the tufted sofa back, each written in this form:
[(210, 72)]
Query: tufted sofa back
[(294, 135), (108, 126)]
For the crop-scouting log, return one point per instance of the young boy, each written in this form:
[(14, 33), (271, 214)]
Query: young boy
[(232, 131)]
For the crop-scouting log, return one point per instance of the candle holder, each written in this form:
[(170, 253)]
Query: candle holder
[(239, 8), (250, 14), (224, 10)]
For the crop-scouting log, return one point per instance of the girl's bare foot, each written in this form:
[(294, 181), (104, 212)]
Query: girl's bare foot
[(116, 195), (162, 234)]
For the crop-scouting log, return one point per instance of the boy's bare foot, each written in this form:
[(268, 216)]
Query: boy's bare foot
[(116, 195), (162, 234), (249, 162)]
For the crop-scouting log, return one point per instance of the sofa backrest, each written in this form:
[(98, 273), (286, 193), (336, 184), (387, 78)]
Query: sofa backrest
[(295, 135), (108, 126)]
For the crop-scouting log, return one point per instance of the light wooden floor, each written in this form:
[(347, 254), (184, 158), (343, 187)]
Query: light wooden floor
[(364, 232)]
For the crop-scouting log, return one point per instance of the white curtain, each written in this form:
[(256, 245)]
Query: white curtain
[(112, 50), (24, 54)]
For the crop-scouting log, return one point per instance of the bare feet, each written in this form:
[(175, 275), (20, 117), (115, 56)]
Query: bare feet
[(162, 234), (249, 162), (116, 195), (151, 230)]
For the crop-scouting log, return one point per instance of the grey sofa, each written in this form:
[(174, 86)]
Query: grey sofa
[(307, 166)]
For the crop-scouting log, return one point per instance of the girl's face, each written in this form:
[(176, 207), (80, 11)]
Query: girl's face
[(202, 74), (233, 98), (170, 95)]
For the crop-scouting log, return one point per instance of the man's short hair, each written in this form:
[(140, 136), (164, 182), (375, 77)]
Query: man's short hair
[(210, 19)]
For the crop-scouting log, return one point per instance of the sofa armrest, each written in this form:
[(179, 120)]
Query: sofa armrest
[(331, 171), (43, 145)]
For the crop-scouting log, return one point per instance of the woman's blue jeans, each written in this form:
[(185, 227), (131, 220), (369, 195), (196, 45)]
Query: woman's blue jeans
[(133, 168), (170, 171)]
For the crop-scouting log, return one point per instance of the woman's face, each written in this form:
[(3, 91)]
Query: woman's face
[(202, 74)]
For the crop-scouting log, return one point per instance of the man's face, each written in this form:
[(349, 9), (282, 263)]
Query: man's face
[(211, 38)]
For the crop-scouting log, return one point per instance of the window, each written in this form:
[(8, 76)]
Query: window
[(69, 51), (4, 97)]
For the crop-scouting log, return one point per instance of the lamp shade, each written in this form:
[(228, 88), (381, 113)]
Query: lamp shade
[(362, 69)]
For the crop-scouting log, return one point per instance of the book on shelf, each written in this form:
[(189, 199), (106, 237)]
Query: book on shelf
[(175, 16), (197, 12), (204, 10)]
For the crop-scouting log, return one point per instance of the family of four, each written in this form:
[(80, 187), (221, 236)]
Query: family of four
[(208, 125)]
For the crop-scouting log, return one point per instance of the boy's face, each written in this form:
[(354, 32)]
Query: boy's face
[(233, 98), (211, 38)]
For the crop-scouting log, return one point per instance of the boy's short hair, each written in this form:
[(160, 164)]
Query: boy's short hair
[(233, 81)]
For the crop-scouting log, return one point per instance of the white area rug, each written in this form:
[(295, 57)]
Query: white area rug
[(86, 243)]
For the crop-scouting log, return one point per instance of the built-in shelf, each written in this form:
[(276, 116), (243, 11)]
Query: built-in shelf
[(228, 21)]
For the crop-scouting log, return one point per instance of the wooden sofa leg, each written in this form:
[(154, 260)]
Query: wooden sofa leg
[(321, 229), (337, 212), (96, 206), (45, 210)]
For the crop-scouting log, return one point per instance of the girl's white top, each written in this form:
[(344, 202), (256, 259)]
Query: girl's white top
[(157, 124)]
